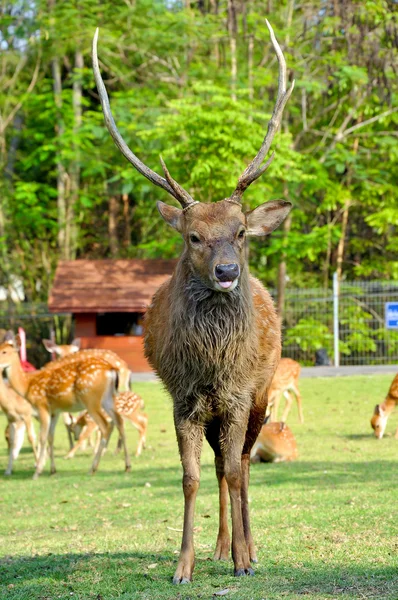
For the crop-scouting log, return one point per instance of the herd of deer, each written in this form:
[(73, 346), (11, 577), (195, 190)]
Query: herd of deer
[(95, 381), (213, 337)]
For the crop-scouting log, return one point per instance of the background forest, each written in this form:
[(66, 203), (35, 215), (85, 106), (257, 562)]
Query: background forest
[(195, 82)]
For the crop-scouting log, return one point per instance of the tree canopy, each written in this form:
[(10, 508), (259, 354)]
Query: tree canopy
[(195, 82)]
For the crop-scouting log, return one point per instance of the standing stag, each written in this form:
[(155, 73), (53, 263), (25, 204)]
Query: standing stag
[(213, 336)]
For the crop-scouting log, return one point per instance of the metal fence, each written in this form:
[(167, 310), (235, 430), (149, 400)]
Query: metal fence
[(38, 323), (349, 324), (349, 327)]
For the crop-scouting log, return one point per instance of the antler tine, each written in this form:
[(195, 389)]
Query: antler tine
[(256, 168), (168, 184)]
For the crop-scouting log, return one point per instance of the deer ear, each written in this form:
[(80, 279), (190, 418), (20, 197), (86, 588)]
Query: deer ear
[(77, 343), (267, 217), (17, 342), (377, 409), (9, 337), (49, 345), (170, 214)]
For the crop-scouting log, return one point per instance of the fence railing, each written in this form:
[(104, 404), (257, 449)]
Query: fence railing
[(350, 329), (350, 325)]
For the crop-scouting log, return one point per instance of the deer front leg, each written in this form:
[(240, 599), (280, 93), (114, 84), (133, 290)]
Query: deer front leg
[(232, 447), (189, 437), (11, 444), (44, 418), (53, 423), (223, 544)]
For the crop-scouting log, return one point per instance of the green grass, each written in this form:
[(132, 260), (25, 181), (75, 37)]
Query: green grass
[(326, 526)]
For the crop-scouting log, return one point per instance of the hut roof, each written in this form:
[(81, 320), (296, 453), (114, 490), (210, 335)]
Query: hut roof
[(93, 286)]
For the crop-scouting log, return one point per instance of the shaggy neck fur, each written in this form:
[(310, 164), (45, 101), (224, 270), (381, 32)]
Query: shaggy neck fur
[(209, 358)]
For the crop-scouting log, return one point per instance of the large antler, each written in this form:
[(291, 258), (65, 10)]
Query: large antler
[(256, 168), (168, 184)]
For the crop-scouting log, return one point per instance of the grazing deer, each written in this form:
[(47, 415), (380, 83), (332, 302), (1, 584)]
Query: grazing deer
[(67, 349), (383, 411), (74, 348), (19, 415), (72, 384), (276, 443), (128, 405), (213, 336), (285, 382)]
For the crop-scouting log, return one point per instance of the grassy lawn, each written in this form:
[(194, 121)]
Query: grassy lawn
[(326, 526)]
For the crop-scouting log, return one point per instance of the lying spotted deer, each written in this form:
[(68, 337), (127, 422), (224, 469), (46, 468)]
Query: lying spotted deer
[(213, 336), (69, 385), (383, 411), (19, 415), (276, 443), (285, 382), (128, 405)]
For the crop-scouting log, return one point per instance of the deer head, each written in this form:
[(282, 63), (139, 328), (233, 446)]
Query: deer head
[(9, 351), (62, 350), (215, 233), (379, 421)]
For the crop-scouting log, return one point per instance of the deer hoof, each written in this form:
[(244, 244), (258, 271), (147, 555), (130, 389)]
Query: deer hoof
[(178, 580), (36, 475), (241, 572), (7, 473), (128, 469)]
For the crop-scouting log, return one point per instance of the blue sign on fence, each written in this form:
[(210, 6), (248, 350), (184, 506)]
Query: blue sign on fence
[(391, 309)]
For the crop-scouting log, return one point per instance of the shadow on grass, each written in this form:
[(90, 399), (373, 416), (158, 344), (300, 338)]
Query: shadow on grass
[(167, 480), (123, 575)]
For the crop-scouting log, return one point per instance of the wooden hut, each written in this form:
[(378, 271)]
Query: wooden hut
[(108, 299)]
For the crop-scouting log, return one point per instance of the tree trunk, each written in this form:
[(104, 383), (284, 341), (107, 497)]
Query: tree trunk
[(232, 29), (61, 172), (126, 219), (75, 166), (113, 218)]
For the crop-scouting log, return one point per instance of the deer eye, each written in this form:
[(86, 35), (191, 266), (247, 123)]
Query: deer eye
[(241, 234), (194, 239)]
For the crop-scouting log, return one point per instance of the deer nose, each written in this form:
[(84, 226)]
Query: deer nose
[(227, 272)]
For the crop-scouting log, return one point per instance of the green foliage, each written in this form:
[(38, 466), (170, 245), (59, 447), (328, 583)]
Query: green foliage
[(168, 71)]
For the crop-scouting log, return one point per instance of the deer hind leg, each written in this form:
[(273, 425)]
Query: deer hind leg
[(83, 437), (299, 403), (289, 401), (275, 407), (44, 418), (19, 428), (140, 422), (11, 444), (30, 430), (53, 423), (190, 437), (223, 544), (106, 430), (122, 436)]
